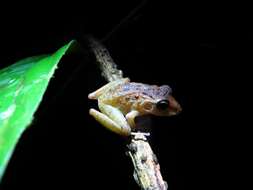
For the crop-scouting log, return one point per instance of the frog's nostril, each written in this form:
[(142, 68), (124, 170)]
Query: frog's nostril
[(178, 109)]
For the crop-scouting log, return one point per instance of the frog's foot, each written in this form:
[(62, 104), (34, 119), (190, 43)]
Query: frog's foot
[(140, 135), (110, 124)]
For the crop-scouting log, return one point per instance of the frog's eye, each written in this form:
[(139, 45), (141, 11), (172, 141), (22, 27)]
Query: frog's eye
[(162, 104)]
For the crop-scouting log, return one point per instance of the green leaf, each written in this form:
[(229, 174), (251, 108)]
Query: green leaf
[(22, 86)]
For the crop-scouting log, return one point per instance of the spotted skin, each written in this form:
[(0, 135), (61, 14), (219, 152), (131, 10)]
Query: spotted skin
[(121, 101)]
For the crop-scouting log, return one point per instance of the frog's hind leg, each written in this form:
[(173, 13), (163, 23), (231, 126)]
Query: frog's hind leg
[(103, 89), (113, 119)]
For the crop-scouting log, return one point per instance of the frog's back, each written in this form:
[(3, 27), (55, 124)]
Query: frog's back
[(107, 89), (130, 92), (144, 90)]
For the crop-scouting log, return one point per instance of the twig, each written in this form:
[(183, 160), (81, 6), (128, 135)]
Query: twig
[(105, 62), (146, 167)]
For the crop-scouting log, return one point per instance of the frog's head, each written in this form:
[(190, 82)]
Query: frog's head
[(162, 103), (167, 107)]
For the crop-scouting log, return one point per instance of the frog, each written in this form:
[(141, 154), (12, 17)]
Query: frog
[(121, 101)]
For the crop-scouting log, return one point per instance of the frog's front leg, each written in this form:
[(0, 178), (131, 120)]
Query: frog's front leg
[(112, 119), (131, 117)]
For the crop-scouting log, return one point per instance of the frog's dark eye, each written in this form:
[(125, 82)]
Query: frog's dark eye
[(162, 104)]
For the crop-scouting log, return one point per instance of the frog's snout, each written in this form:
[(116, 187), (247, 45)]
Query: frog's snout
[(174, 106)]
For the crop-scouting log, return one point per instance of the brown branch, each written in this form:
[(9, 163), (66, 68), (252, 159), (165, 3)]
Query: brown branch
[(105, 62), (146, 167)]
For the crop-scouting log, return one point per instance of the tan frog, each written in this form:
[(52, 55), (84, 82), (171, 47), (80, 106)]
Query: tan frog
[(121, 101)]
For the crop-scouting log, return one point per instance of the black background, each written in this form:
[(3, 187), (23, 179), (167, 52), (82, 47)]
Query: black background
[(201, 50)]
